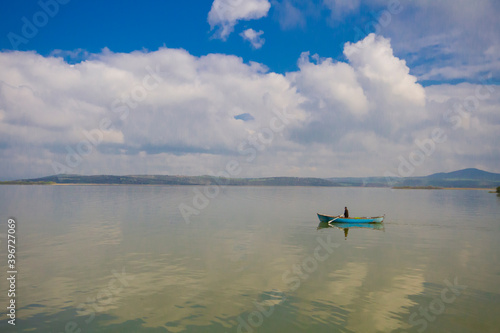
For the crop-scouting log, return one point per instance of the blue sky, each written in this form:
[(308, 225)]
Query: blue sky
[(125, 26), (405, 68)]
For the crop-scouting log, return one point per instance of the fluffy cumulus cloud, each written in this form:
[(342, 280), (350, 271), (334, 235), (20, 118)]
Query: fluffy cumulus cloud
[(330, 85), (133, 105), (254, 37), (224, 14), (373, 58), (372, 95), (169, 112)]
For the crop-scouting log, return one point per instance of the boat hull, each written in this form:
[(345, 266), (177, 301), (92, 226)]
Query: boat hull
[(372, 226), (353, 220)]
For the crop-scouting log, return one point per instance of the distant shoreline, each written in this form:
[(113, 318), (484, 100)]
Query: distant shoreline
[(492, 190), (441, 188), (470, 179)]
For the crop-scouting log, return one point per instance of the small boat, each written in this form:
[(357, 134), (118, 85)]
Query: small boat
[(355, 220)]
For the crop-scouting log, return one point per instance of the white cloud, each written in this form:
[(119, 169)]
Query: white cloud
[(448, 39), (330, 84), (254, 37), (373, 92), (190, 109), (341, 8), (374, 60), (350, 118), (224, 14)]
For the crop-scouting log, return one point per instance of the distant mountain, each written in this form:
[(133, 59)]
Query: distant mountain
[(470, 177), (469, 174)]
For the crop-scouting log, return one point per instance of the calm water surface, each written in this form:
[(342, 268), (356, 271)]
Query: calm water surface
[(123, 259)]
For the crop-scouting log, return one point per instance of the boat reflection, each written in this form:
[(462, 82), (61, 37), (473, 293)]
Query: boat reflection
[(346, 226)]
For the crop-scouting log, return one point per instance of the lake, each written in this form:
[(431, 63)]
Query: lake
[(250, 259)]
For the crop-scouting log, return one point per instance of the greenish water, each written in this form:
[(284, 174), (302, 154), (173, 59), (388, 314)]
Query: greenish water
[(123, 259)]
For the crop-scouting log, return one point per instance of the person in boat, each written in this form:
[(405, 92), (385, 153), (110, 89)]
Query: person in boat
[(346, 212)]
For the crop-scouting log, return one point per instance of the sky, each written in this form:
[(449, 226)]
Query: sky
[(249, 88)]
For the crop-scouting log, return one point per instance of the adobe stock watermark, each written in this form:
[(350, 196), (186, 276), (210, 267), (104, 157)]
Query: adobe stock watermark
[(428, 314), (249, 148), (453, 117), (31, 26), (104, 297), (121, 107), (293, 278)]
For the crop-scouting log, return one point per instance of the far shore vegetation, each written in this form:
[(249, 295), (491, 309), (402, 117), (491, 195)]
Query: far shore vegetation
[(22, 182)]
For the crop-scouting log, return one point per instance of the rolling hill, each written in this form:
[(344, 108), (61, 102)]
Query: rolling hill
[(465, 178)]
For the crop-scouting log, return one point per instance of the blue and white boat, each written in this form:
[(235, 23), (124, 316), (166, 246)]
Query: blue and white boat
[(354, 220)]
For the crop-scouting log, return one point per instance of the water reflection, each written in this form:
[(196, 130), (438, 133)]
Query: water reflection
[(249, 262), (346, 226)]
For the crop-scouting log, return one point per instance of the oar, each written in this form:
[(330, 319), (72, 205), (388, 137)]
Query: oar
[(333, 219)]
